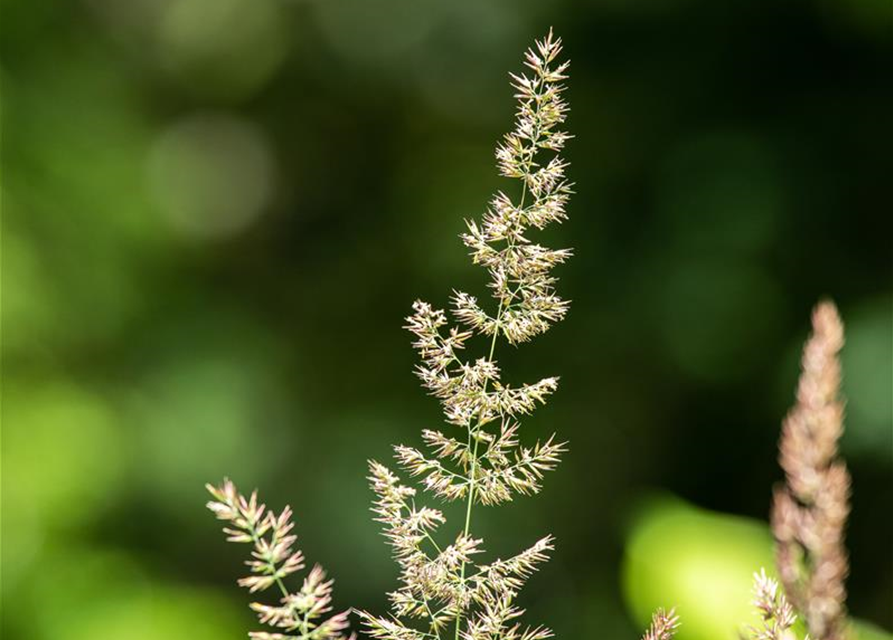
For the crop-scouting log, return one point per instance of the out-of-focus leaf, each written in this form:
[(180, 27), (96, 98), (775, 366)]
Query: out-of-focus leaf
[(868, 378), (89, 594)]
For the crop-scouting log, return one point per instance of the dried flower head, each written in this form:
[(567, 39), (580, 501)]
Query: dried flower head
[(663, 625), (298, 614), (809, 513), (485, 463), (773, 608)]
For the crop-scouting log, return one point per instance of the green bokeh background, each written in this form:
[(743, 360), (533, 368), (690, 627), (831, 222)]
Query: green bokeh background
[(217, 212)]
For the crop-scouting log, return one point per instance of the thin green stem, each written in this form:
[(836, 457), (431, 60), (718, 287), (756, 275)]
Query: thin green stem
[(433, 542), (473, 472), (477, 440), (431, 617), (472, 432), (271, 566), (424, 598), (304, 624)]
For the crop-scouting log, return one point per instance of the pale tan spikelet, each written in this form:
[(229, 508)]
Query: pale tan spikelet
[(773, 608), (663, 625), (388, 628), (809, 513), (505, 577)]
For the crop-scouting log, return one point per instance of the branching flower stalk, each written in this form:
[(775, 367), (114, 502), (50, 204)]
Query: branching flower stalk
[(809, 513), (299, 615), (442, 585)]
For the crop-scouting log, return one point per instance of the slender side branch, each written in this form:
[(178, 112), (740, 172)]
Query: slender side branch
[(299, 614)]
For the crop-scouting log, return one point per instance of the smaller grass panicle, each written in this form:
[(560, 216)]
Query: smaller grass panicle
[(300, 614), (809, 513), (773, 608), (663, 625)]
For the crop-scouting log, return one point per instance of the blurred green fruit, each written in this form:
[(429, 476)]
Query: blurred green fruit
[(702, 563)]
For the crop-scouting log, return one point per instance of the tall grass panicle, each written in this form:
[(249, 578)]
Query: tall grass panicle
[(479, 459), (300, 614), (809, 512)]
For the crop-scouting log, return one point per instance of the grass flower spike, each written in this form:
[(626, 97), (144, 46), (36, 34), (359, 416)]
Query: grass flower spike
[(773, 607), (480, 460), (298, 614), (663, 625), (809, 513)]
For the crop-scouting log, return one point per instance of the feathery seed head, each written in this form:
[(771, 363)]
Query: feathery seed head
[(487, 464), (809, 513)]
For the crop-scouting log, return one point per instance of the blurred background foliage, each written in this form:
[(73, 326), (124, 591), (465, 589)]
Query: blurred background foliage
[(217, 212)]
